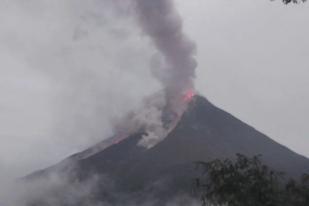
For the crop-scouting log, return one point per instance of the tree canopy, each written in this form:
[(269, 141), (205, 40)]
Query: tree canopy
[(293, 1), (247, 181)]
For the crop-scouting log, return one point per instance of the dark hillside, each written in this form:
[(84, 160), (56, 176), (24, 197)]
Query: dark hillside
[(204, 133)]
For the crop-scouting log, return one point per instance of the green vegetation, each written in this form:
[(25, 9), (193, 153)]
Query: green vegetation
[(248, 182)]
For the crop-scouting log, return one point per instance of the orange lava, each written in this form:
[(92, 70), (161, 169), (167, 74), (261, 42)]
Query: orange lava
[(188, 96)]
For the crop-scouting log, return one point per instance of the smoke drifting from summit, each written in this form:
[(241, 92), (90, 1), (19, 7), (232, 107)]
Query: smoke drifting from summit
[(175, 64)]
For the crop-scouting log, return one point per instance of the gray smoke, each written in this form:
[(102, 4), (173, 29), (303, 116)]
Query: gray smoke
[(175, 64)]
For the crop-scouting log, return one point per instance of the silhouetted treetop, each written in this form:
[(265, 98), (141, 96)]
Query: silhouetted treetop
[(293, 1), (247, 181)]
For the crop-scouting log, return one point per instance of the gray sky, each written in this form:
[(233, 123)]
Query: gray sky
[(253, 62), (69, 69)]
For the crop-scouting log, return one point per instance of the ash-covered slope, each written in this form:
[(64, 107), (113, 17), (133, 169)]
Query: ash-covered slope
[(204, 133)]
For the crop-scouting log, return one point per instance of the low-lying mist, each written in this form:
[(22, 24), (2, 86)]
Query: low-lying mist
[(89, 66), (73, 69)]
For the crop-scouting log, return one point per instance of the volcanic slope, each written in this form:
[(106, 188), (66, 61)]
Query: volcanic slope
[(204, 133)]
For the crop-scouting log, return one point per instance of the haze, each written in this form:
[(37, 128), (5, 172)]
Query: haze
[(69, 69)]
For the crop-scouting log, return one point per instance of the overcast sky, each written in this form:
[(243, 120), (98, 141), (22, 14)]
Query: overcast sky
[(69, 69)]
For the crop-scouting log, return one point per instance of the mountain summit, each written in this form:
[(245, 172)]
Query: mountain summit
[(203, 133)]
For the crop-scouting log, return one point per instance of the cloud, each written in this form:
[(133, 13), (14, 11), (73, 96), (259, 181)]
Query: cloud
[(69, 69)]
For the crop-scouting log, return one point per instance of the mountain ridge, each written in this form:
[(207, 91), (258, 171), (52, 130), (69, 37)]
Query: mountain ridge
[(203, 133)]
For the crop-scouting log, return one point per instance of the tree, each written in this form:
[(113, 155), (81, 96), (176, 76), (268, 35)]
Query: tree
[(247, 181), (293, 1), (297, 193)]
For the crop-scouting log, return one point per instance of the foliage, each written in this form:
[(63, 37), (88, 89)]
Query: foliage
[(297, 193), (293, 1), (248, 182)]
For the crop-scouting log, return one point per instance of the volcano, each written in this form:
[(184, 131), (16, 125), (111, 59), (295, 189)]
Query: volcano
[(203, 133)]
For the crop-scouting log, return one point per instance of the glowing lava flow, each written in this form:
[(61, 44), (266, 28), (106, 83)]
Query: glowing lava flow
[(188, 96)]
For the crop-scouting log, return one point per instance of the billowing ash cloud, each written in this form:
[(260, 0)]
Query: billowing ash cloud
[(175, 64)]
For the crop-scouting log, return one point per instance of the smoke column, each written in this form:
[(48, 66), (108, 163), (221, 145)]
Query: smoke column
[(175, 65)]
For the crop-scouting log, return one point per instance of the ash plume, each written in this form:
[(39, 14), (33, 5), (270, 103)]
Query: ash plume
[(175, 64)]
